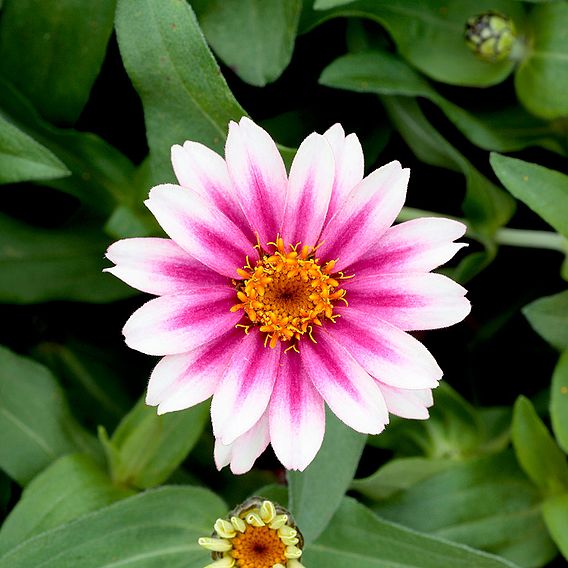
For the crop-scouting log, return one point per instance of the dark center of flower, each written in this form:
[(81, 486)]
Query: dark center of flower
[(258, 547), (287, 292)]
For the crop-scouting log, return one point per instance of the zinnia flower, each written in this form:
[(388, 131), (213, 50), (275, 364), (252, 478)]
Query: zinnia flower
[(279, 293), (257, 533)]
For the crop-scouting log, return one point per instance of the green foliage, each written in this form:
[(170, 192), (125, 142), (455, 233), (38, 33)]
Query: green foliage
[(555, 512), (542, 78), (559, 402), (486, 503), (146, 448), (153, 529), (100, 174), (36, 426), (156, 42), (65, 43), (357, 535), (92, 97), (316, 493), (545, 191), (384, 73), (70, 487), (24, 159), (549, 318), (429, 34), (54, 264), (255, 38), (537, 451)]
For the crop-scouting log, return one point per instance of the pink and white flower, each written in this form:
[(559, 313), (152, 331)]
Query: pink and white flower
[(278, 294)]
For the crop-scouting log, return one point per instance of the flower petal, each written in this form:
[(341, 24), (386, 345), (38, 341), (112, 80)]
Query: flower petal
[(410, 301), (203, 170), (177, 324), (259, 176), (407, 403), (245, 389), (183, 380), (349, 165), (159, 266), (309, 191), (369, 210), (242, 453), (350, 392), (419, 245), (387, 353), (297, 415), (203, 231)]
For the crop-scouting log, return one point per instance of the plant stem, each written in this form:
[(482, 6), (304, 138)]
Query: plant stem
[(505, 236), (531, 239)]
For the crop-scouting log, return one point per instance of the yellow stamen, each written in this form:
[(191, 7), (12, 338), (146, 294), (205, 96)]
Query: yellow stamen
[(288, 292), (256, 534)]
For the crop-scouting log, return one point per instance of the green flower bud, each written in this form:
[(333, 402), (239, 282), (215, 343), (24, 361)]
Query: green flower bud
[(491, 36)]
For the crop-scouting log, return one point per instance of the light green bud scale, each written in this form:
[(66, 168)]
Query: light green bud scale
[(491, 36)]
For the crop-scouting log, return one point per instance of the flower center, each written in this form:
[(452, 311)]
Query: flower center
[(258, 547), (287, 292)]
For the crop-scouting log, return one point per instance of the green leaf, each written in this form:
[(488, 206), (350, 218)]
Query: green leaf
[(555, 512), (559, 402), (101, 175), (397, 475), (255, 38), (327, 4), (537, 451), (486, 503), (429, 34), (182, 90), (146, 448), (357, 537), (54, 264), (24, 159), (542, 78), (385, 73), (544, 191), (69, 488), (548, 316), (93, 378), (315, 493), (485, 205), (156, 528), (65, 43), (36, 426), (454, 430)]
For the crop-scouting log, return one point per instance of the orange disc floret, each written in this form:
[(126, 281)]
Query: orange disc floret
[(258, 547), (288, 292)]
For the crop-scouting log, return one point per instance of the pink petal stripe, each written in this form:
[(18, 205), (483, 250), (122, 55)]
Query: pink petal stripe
[(203, 170), (297, 415), (350, 392), (203, 231), (177, 324), (349, 165), (407, 403), (159, 266), (410, 301), (387, 353), (244, 391), (309, 191), (242, 453), (419, 245), (183, 380), (259, 176), (369, 210)]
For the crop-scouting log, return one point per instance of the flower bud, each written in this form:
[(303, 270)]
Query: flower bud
[(491, 36)]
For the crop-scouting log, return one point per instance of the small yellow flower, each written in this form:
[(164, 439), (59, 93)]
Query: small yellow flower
[(256, 534)]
